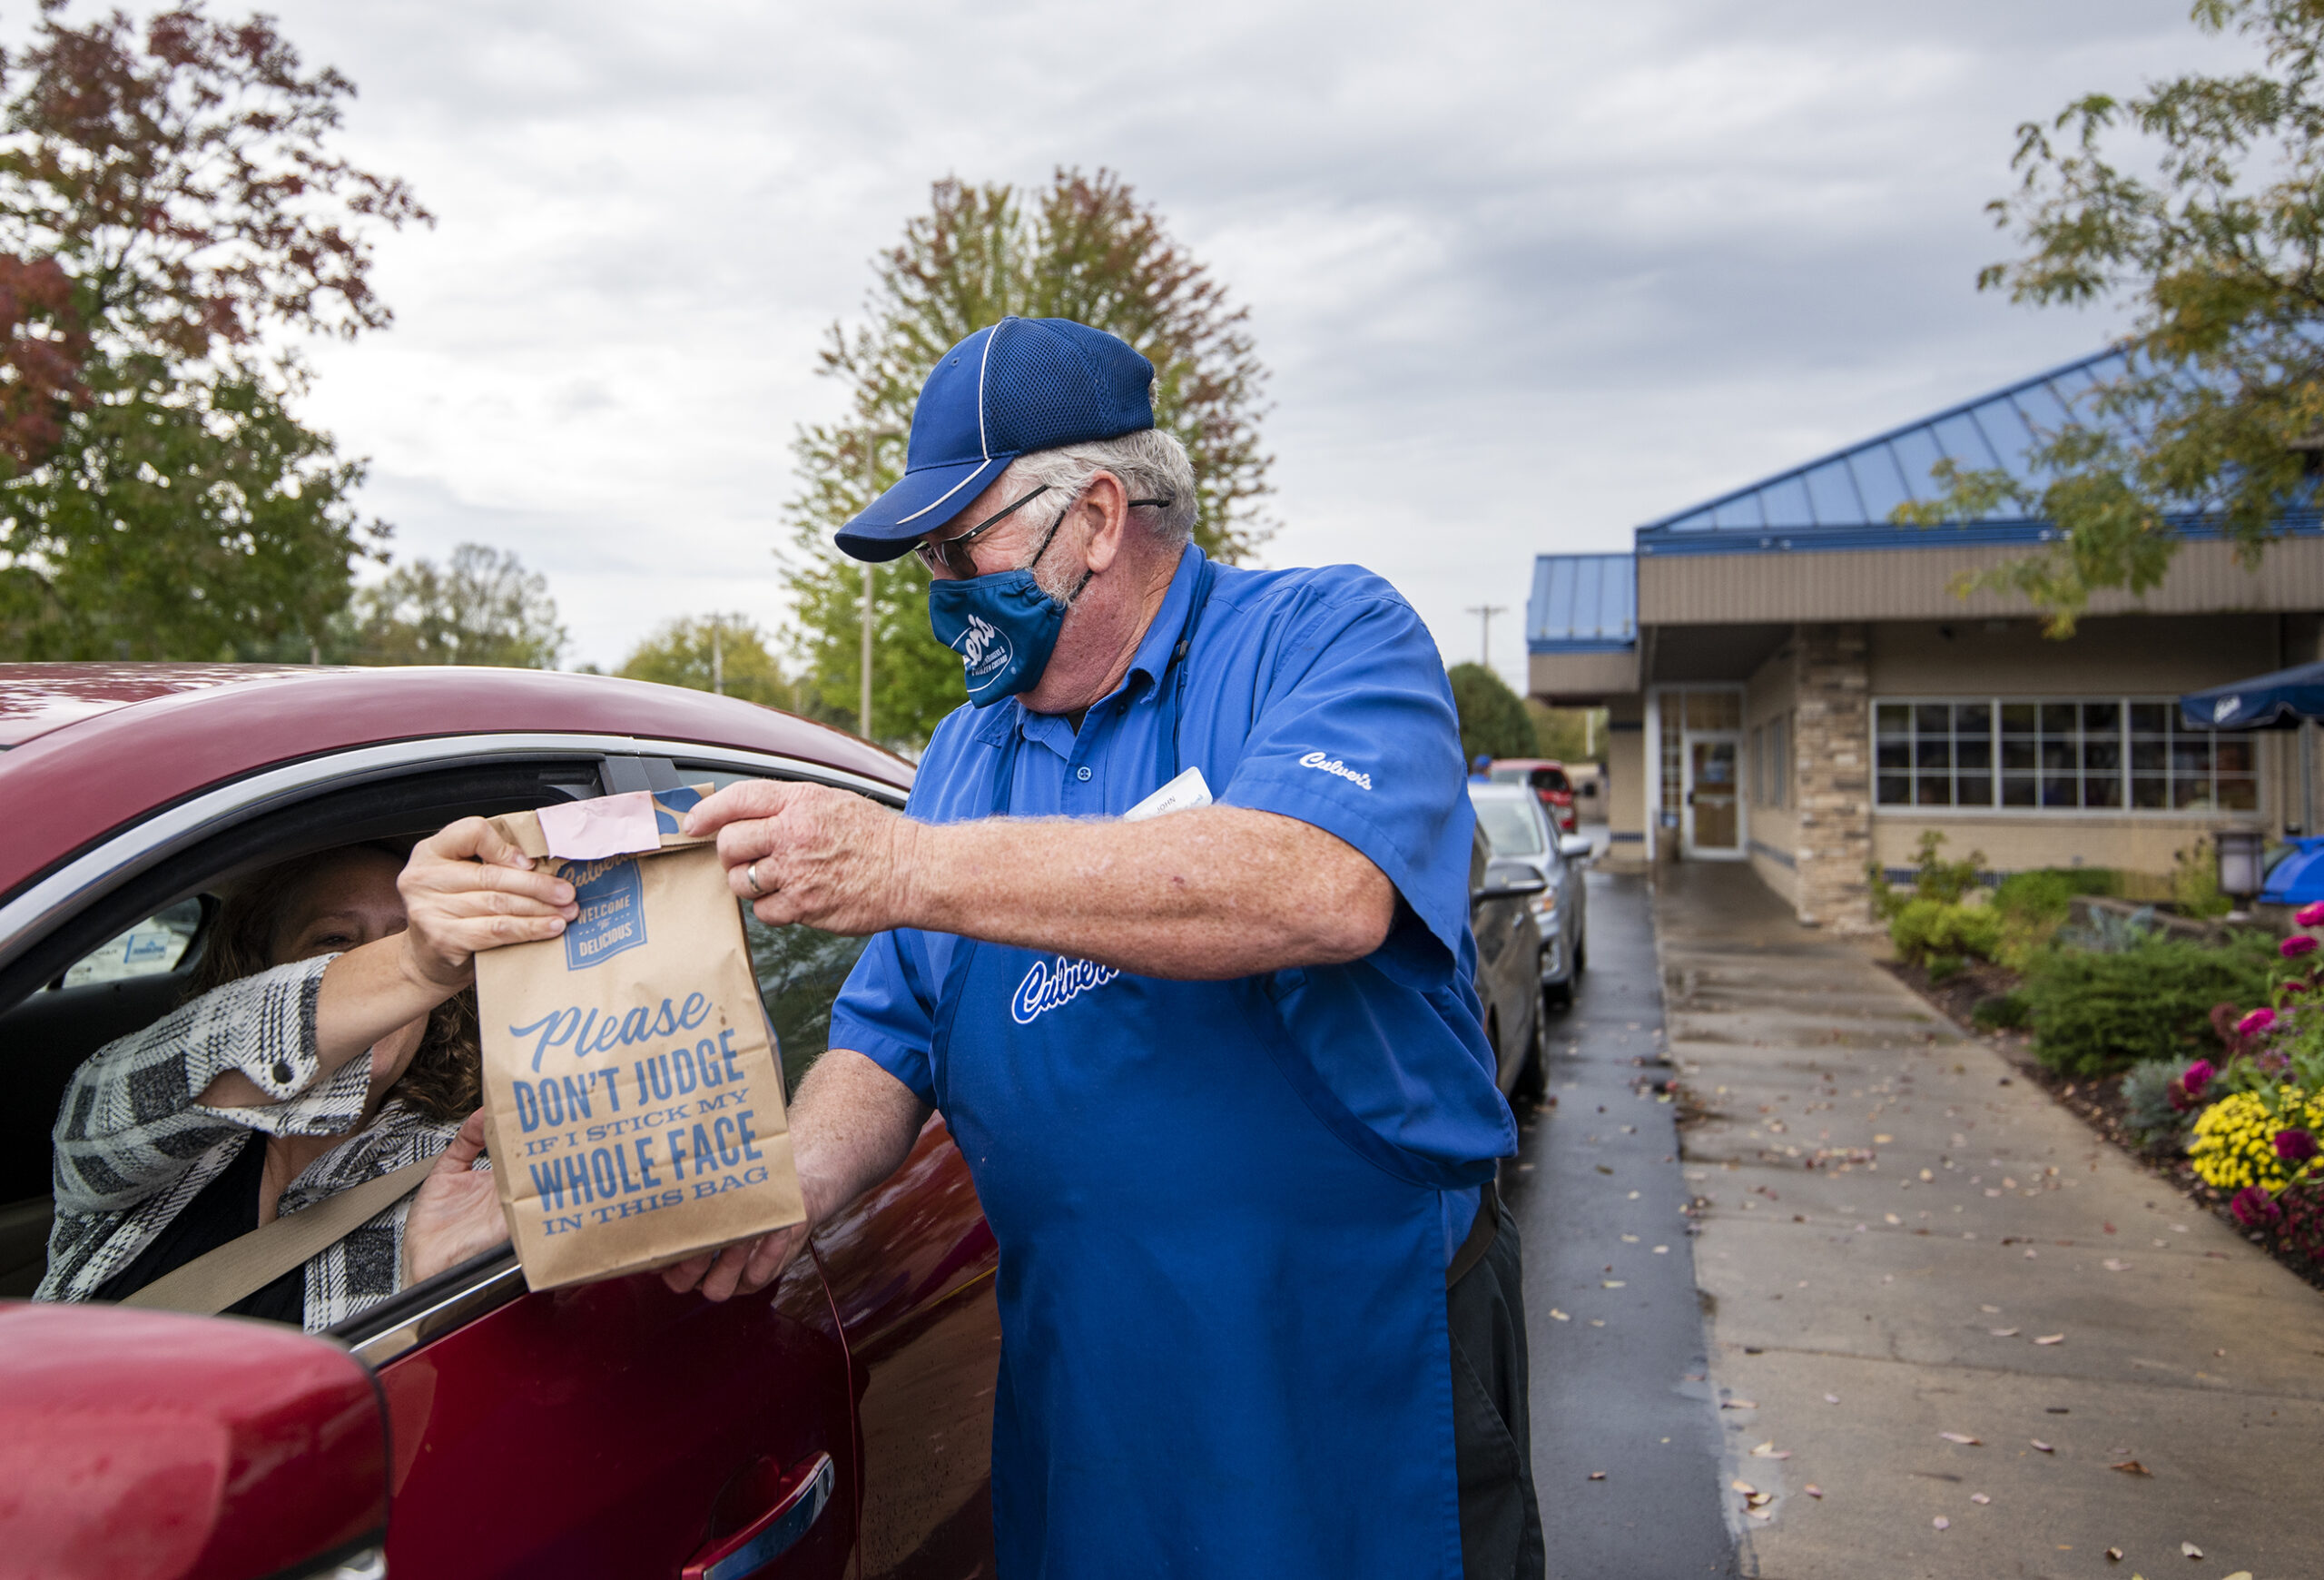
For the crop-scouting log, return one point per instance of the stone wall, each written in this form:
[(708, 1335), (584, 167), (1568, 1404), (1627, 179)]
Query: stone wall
[(1832, 688)]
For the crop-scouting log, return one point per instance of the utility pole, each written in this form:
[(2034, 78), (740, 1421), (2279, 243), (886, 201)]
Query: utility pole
[(1486, 612), (871, 492)]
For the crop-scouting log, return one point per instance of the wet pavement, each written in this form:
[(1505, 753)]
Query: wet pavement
[(1994, 1344), (1626, 1442)]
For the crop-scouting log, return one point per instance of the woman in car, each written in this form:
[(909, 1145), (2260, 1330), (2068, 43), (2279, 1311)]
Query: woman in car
[(328, 1041)]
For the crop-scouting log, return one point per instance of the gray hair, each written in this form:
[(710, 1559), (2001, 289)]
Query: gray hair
[(1151, 464)]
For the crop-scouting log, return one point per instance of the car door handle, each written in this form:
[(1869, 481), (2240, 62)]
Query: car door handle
[(774, 1532)]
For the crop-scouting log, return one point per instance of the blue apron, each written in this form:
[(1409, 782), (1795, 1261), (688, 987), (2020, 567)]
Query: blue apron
[(1222, 1296)]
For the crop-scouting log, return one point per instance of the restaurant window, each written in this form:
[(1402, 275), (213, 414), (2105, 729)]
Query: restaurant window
[(2083, 753)]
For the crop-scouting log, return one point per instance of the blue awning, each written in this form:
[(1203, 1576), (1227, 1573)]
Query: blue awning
[(2278, 701)]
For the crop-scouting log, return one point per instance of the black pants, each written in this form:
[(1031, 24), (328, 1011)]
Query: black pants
[(1493, 1434)]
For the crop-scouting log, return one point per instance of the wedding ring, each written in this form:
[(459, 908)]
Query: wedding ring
[(751, 876)]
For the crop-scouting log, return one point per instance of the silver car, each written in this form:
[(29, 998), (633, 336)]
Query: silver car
[(1519, 831)]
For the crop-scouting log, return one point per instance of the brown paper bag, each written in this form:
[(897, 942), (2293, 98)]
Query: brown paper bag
[(630, 1076)]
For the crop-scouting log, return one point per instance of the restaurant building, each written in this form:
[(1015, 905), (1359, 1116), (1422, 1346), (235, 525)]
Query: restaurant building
[(1792, 682)]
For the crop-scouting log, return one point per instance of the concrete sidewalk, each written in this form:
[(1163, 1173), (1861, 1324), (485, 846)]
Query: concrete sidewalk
[(1860, 1309)]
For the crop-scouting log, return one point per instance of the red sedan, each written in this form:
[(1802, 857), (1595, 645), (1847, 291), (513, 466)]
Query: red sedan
[(837, 1422), (1548, 779)]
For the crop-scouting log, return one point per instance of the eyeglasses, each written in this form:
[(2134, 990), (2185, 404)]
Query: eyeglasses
[(950, 554)]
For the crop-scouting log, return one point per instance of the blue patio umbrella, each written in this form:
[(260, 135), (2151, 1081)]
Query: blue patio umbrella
[(2283, 700), (2280, 701)]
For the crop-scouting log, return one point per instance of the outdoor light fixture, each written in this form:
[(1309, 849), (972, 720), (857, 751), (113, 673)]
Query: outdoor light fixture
[(2239, 862)]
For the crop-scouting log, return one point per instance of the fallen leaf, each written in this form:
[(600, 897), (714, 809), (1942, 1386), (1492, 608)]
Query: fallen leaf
[(2005, 1332), (1990, 1310), (1812, 1490), (2115, 1265), (2192, 1550), (1739, 1404), (1882, 1140), (2114, 1556), (1831, 1398), (2042, 1447), (1743, 1486), (2241, 1575), (1597, 1322), (2052, 1338), (1614, 1283), (1962, 1437), (1941, 1522), (1890, 1218), (1597, 1475), (1629, 1240), (2132, 1466), (1662, 1250), (1601, 1168), (1979, 1498), (1761, 1499), (1557, 1316)]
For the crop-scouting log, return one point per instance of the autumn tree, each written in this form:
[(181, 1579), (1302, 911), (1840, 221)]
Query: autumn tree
[(727, 654), (481, 607), (1083, 248), (172, 219), (2199, 204)]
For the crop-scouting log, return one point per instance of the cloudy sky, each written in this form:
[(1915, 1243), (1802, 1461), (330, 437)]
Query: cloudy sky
[(1526, 275)]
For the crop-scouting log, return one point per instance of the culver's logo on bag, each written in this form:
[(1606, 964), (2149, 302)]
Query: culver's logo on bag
[(611, 898), (983, 649), (1056, 982)]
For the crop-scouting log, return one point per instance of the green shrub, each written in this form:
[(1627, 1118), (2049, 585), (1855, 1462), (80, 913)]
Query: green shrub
[(2094, 1013), (2001, 1013), (1925, 927), (2045, 894), (1945, 967)]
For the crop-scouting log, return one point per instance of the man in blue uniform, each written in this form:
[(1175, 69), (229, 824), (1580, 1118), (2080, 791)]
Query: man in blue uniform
[(1174, 933)]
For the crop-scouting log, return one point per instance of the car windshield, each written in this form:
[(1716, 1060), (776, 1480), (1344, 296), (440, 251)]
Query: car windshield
[(1510, 826), (1549, 779)]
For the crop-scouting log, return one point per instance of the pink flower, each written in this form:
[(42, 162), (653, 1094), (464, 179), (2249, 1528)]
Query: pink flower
[(2197, 1076), (2254, 1208), (2256, 1022), (2295, 1146), (2297, 944), (2310, 915), (2295, 987)]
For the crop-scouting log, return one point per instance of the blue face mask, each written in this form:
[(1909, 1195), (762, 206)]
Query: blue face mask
[(1003, 626)]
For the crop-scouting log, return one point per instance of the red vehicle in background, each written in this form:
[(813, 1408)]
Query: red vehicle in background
[(1549, 782), (837, 1422)]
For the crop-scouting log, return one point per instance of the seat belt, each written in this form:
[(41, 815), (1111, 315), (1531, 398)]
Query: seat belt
[(248, 1263)]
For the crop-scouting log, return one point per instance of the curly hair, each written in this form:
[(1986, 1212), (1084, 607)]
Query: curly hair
[(444, 1080)]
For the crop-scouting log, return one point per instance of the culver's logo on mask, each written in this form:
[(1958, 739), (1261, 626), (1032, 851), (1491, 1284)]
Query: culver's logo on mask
[(1055, 981), (982, 647)]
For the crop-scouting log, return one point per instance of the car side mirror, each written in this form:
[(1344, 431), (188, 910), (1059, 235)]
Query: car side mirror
[(1511, 880), (1575, 847), (148, 1442)]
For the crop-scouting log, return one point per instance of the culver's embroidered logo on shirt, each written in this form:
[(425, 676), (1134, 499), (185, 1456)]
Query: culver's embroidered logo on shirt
[(1054, 981), (1323, 764)]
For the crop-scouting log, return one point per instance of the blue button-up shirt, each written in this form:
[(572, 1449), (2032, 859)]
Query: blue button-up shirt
[(1314, 694)]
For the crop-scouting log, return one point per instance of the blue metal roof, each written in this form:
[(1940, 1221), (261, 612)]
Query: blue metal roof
[(1844, 500), (1583, 603)]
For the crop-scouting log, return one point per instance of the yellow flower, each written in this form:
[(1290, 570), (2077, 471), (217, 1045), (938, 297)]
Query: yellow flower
[(2234, 1143)]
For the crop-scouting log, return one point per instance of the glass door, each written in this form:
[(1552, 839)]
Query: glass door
[(1714, 815)]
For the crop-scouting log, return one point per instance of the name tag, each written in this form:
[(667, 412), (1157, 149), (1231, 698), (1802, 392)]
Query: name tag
[(1188, 790)]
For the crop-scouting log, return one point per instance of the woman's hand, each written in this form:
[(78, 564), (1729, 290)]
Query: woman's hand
[(458, 1212), (466, 889)]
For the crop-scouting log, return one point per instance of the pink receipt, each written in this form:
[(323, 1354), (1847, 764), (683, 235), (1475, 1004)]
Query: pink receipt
[(609, 826)]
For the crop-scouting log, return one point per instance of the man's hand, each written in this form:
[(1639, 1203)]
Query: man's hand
[(806, 853), (743, 1267), (465, 889)]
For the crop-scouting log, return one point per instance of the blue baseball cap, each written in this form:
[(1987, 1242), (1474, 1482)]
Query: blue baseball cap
[(1025, 384)]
